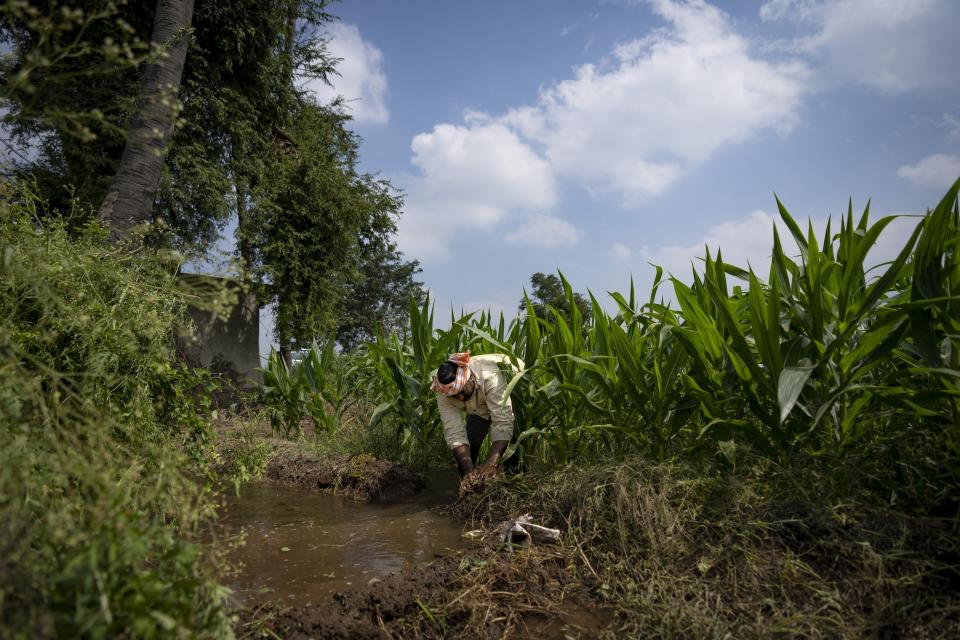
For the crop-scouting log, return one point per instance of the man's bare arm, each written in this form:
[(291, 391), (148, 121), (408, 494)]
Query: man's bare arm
[(462, 455)]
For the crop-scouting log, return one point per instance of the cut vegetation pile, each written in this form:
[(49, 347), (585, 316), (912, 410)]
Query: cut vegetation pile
[(679, 553)]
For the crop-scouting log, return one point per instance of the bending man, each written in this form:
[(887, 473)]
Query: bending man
[(476, 387)]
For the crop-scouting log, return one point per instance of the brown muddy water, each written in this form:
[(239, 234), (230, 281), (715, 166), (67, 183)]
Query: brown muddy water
[(302, 545)]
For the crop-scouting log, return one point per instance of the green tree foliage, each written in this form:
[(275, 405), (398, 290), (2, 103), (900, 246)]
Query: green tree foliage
[(249, 145), (306, 219), (69, 82), (239, 99), (379, 298), (547, 292), (236, 90)]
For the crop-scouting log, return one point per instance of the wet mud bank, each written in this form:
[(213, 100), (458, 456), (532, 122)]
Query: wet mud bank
[(492, 589), (250, 451), (361, 477), (491, 594), (484, 589)]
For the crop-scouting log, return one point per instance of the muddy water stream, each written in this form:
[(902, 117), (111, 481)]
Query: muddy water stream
[(303, 545)]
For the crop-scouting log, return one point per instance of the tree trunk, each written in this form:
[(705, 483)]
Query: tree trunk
[(244, 245), (129, 201), (249, 296), (285, 351), (291, 38)]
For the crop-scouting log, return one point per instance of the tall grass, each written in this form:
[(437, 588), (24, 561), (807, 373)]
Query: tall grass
[(101, 513)]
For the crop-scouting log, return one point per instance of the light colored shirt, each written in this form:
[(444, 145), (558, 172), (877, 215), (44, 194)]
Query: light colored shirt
[(488, 401)]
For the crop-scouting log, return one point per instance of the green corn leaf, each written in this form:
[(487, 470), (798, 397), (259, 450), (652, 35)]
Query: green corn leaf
[(791, 383), (500, 346), (514, 381), (739, 342), (792, 226), (380, 412)]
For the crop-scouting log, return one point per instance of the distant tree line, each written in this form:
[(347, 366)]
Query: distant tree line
[(547, 292), (178, 116)]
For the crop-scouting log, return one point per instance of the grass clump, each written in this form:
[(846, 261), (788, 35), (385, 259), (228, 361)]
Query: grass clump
[(101, 443)]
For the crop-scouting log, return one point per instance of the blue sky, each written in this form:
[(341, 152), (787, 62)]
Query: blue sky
[(598, 136)]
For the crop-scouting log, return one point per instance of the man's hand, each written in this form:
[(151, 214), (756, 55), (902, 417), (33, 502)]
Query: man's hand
[(483, 471), (489, 468)]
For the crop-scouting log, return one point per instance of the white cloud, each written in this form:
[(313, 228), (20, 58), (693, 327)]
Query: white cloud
[(798, 10), (621, 252), (748, 241), (544, 231), (891, 45), (744, 241), (938, 170), (631, 126), (471, 178), (361, 80), (661, 105), (488, 162)]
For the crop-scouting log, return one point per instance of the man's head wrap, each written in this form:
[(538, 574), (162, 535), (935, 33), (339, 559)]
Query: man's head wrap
[(456, 385)]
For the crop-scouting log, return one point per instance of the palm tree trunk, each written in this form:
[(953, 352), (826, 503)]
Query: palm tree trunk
[(129, 201)]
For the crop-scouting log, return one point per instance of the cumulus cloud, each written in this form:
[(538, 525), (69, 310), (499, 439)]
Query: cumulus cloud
[(939, 171), (544, 231), (660, 104), (361, 80), (748, 241), (630, 126), (621, 252), (488, 162), (743, 241), (890, 45), (471, 178)]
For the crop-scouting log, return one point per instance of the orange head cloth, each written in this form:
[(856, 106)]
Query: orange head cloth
[(455, 386)]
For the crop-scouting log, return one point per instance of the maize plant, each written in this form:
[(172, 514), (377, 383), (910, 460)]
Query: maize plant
[(823, 356), (327, 380), (400, 374), (284, 395)]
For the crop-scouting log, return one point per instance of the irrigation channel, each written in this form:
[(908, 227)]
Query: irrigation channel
[(302, 545)]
